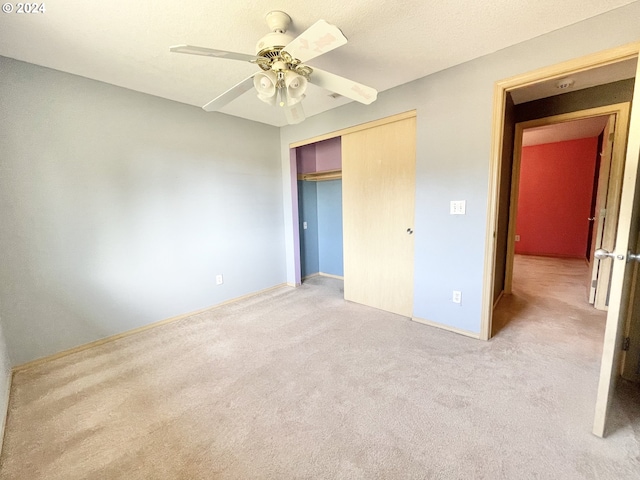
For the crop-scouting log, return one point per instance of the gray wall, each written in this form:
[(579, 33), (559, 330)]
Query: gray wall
[(118, 209), (454, 119), (5, 379)]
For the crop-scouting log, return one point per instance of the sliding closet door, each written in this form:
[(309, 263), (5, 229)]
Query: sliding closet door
[(378, 199)]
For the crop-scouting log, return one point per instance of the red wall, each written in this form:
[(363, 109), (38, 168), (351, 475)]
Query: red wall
[(556, 185)]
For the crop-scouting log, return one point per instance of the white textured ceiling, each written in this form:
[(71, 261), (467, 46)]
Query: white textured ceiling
[(560, 132), (127, 43)]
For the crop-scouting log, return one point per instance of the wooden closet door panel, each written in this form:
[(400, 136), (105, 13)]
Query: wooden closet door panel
[(378, 182)]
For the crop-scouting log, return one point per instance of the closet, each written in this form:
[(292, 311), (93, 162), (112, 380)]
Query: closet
[(319, 167), (356, 205)]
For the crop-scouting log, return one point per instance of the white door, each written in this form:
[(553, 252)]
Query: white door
[(622, 272), (631, 355), (597, 227)]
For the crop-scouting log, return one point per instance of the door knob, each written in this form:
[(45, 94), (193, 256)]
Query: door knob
[(601, 254), (591, 219), (633, 256)]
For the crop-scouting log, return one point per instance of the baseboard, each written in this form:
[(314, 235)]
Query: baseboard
[(551, 255), (495, 304), (331, 276), (118, 336), (5, 411), (459, 331), (321, 274)]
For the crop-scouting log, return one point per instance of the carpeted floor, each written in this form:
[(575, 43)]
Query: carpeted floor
[(298, 383)]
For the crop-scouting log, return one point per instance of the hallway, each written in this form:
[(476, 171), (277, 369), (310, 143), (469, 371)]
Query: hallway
[(549, 308), (552, 294)]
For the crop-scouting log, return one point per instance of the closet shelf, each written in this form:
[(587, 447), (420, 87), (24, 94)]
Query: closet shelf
[(321, 176)]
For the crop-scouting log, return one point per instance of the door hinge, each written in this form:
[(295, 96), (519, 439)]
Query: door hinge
[(626, 344), (611, 137)]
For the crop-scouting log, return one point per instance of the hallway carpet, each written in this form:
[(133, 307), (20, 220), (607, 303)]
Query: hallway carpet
[(298, 383)]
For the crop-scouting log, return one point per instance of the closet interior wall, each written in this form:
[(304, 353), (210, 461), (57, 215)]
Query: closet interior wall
[(320, 210)]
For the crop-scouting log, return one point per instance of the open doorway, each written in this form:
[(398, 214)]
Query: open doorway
[(500, 235), (559, 182), (560, 179), (319, 181), (540, 105)]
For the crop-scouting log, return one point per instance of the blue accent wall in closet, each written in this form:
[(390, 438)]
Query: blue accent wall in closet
[(308, 212), (330, 227), (320, 206)]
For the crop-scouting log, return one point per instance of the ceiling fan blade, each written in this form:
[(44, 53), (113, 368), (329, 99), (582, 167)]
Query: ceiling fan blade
[(231, 94), (345, 87), (294, 113), (319, 38), (210, 52)]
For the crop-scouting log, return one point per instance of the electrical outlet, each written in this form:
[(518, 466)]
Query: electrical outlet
[(517, 238), (219, 279), (457, 296), (304, 225), (457, 207)]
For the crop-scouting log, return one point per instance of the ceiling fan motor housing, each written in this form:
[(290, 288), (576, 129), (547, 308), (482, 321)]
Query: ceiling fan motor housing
[(269, 45)]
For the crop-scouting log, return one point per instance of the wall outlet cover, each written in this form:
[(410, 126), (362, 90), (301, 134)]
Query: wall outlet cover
[(457, 296)]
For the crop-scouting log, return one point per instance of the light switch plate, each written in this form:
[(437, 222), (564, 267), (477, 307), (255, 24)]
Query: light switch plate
[(457, 207)]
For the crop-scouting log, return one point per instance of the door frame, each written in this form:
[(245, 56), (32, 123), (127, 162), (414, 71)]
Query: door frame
[(501, 89), (621, 111)]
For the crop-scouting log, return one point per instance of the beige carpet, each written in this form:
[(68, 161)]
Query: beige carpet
[(298, 383)]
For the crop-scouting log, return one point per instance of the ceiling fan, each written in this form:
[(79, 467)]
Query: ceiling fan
[(284, 76)]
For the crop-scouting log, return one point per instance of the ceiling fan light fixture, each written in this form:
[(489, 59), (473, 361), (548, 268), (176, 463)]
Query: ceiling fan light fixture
[(283, 101), (265, 85), (296, 85), (268, 100)]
